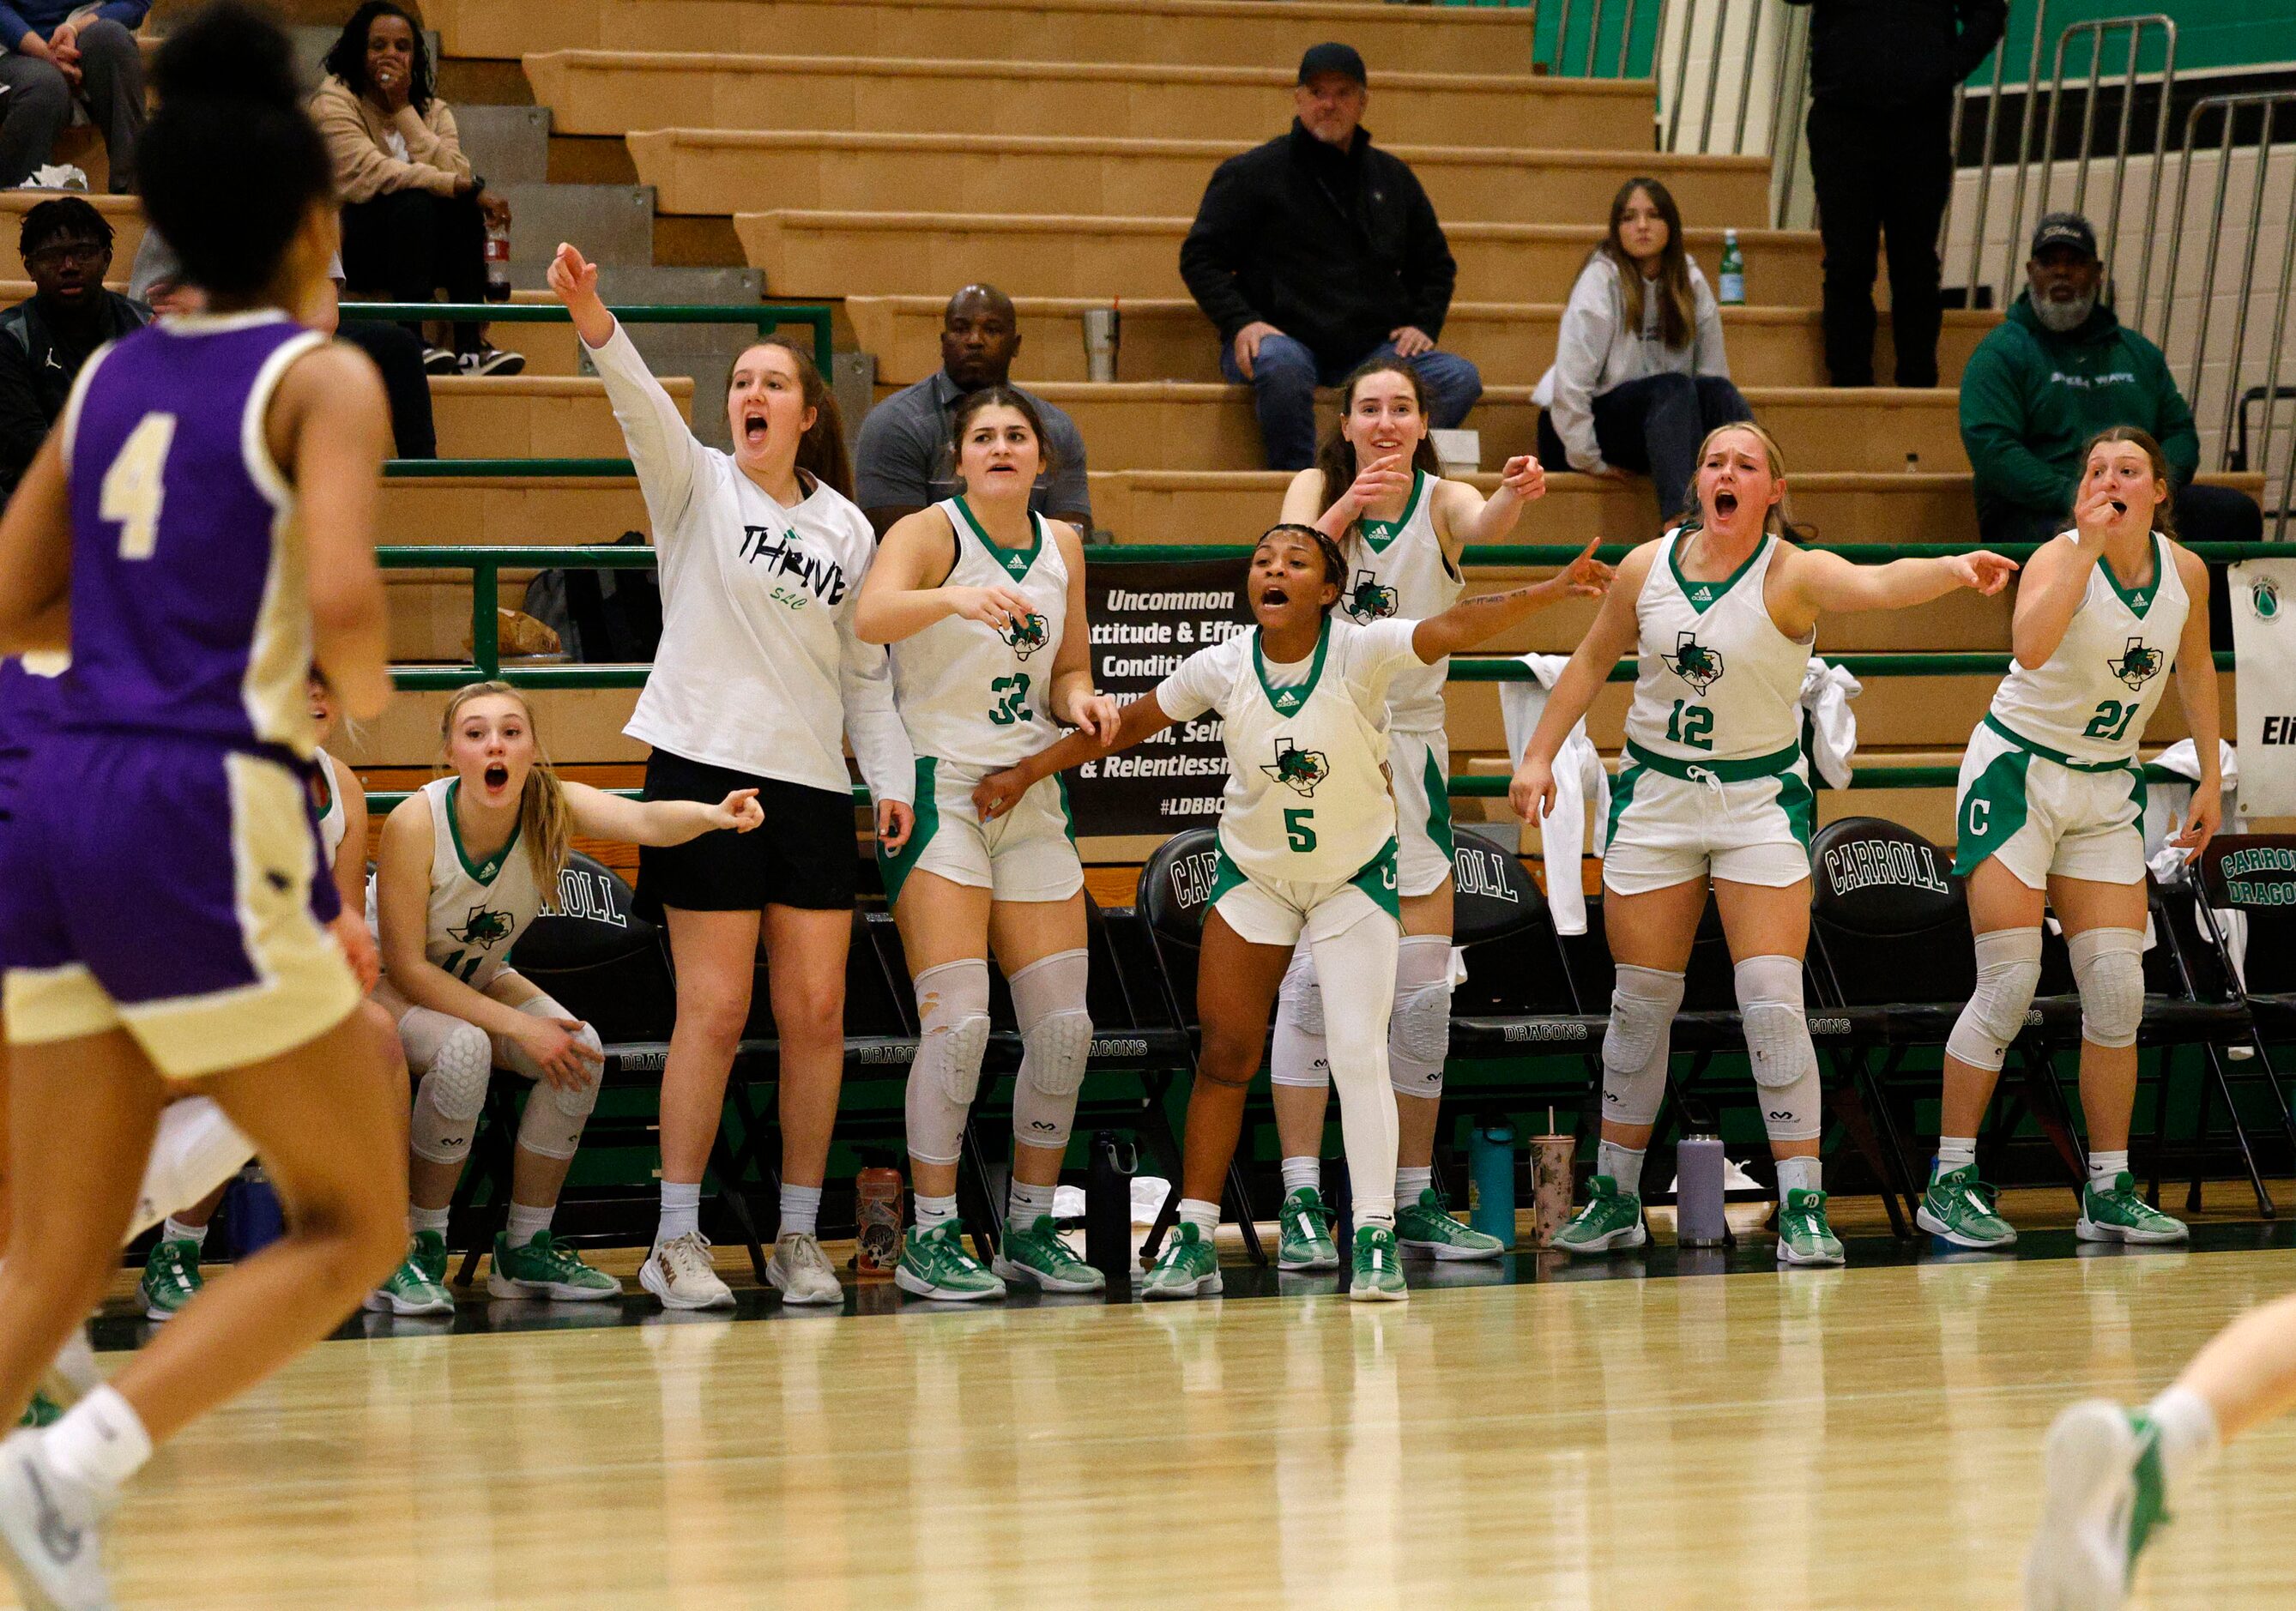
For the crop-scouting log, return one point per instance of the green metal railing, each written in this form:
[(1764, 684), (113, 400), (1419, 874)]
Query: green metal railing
[(761, 316)]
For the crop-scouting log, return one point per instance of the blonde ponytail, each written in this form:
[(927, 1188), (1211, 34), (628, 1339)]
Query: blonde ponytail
[(545, 822)]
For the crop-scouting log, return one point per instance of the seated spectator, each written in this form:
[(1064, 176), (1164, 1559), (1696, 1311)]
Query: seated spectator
[(2060, 368), (45, 338), (1639, 375), (58, 52), (903, 463), (1314, 254), (156, 279), (415, 216)]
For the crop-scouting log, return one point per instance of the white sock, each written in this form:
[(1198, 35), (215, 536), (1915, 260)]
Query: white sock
[(1028, 1203), (1302, 1174), (681, 1211), (1204, 1216), (1410, 1183), (2102, 1166), (1799, 1174), (933, 1211), (526, 1224), (1954, 1152), (2189, 1438), (99, 1444), (801, 1210), (419, 1218), (1623, 1165), (174, 1230)]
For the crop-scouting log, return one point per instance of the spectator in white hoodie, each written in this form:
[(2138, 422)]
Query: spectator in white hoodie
[(1639, 377)]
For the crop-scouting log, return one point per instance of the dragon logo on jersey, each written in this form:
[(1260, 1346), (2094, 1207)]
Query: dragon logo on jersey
[(2138, 665), (483, 928), (1694, 662), (1368, 600), (1027, 635), (1299, 769)]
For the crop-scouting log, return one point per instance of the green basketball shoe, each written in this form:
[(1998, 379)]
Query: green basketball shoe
[(41, 1411), (1804, 1237), (1037, 1256), (547, 1267), (1377, 1276), (1188, 1267), (1423, 1227), (2103, 1495), (934, 1263), (1960, 1208), (419, 1285), (1304, 1227), (171, 1277), (2120, 1215), (1611, 1220)]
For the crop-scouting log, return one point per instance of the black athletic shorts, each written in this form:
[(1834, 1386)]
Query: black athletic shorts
[(804, 854)]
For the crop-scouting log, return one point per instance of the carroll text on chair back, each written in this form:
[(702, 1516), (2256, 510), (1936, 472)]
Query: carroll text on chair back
[(1492, 897), (2254, 874), (1889, 917), (1176, 887), (591, 952)]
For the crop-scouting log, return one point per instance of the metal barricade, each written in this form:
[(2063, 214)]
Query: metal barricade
[(1556, 62), (2098, 31)]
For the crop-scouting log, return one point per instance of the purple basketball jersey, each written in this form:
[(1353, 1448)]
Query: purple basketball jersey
[(189, 613)]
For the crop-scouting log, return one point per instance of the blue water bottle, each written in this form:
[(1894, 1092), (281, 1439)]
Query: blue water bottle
[(1490, 1179)]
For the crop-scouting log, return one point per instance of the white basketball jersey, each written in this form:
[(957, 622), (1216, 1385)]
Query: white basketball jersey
[(477, 910), (1398, 568), (972, 694), (333, 821), (2092, 696), (1717, 681)]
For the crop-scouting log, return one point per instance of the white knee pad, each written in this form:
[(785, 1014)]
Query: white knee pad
[(195, 1149), (1048, 998), (552, 1125), (1778, 1043), (2008, 972), (1419, 1030), (2109, 966), (453, 1092), (1637, 1043), (1299, 1055), (953, 1011)]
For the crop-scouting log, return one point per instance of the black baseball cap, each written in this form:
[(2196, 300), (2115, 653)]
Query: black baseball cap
[(1334, 58), (2064, 229)]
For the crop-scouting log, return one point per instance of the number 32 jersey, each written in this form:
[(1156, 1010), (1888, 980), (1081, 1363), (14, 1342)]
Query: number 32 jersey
[(189, 616), (2092, 696)]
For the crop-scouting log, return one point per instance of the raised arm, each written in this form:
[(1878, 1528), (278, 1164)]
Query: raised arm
[(1472, 621), (905, 591), (1076, 697), (2196, 693), (1463, 515), (668, 458), (1812, 582), (1142, 719), (599, 815), (1613, 633)]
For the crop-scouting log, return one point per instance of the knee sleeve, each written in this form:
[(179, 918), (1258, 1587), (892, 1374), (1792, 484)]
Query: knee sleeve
[(551, 1125), (2109, 966), (453, 1091), (1778, 1045), (1048, 998), (2008, 972), (1419, 1030), (953, 1011), (1637, 1043), (1297, 1056), (196, 1149)]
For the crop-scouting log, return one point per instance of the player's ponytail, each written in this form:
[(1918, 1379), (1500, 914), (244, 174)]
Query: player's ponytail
[(545, 822)]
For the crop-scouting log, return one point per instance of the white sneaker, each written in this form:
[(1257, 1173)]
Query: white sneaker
[(55, 1550), (679, 1273), (73, 1374), (802, 1272), (2102, 1499)]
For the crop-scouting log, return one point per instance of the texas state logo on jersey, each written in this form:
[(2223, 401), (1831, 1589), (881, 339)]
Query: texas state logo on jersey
[(1694, 662), (2138, 665), (1027, 635), (484, 927), (1297, 770), (1369, 600)]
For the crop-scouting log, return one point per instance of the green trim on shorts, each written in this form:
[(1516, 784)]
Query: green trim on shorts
[(2048, 754), (1800, 805), (1381, 880), (2000, 788), (1225, 875), (895, 869), (1622, 794), (1776, 763), (1439, 808), (1067, 811)]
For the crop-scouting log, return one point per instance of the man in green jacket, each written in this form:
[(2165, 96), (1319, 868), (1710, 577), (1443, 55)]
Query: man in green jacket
[(2059, 369)]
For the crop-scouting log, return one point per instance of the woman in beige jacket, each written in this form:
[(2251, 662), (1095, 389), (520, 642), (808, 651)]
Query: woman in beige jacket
[(415, 214)]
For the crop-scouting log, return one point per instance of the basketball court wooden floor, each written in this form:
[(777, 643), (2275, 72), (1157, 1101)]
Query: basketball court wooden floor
[(1631, 1436)]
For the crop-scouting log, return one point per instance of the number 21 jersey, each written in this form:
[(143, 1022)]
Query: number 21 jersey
[(2092, 697)]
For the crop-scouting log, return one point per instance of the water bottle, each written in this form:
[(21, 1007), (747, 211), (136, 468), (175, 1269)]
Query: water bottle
[(1490, 1179), (497, 261), (1732, 291), (252, 1213), (1108, 1205), (877, 1217), (1697, 1219)]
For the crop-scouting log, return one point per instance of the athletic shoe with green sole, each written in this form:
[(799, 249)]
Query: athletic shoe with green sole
[(1377, 1274), (419, 1285), (1611, 1221), (1960, 1208), (934, 1263), (1037, 1256), (1804, 1237), (547, 1267), (2120, 1215), (1303, 1227), (1423, 1227), (2103, 1495), (171, 1277), (41, 1411), (1188, 1267)]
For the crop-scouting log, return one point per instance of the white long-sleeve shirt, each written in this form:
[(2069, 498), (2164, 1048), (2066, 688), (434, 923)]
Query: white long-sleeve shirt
[(1596, 351), (758, 670)]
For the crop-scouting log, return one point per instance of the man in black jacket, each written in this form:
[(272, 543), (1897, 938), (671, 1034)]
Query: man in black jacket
[(1880, 157), (43, 340), (1316, 252)]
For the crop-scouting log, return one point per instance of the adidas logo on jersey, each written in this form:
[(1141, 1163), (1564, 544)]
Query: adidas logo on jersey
[(1027, 635), (1694, 662), (2138, 665), (1299, 769), (1368, 600)]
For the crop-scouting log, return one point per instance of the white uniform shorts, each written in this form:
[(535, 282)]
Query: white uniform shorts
[(1028, 854), (1419, 766), (1274, 912), (2044, 814), (1680, 822)]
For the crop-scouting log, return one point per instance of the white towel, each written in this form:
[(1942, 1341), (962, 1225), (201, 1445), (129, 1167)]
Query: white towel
[(2165, 807), (1570, 830), (1826, 692)]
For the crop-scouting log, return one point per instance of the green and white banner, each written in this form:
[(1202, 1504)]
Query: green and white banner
[(2264, 650)]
